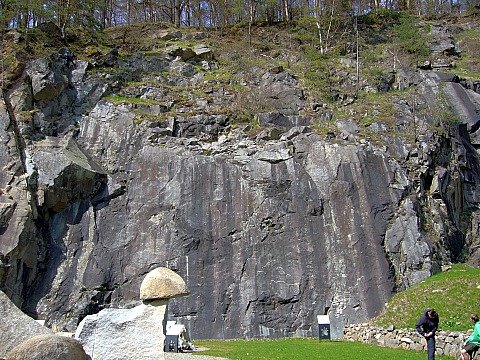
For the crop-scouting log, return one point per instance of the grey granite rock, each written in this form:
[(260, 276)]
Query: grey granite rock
[(41, 347), (16, 327), (115, 334)]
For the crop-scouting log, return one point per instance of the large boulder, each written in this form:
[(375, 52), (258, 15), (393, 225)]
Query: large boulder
[(117, 334), (138, 333), (279, 90), (51, 347), (162, 283), (15, 326), (203, 52), (183, 53), (49, 76), (64, 173)]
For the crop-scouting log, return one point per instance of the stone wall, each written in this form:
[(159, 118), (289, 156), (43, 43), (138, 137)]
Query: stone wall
[(447, 343)]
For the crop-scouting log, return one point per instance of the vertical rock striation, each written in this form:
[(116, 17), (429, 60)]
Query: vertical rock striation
[(268, 233)]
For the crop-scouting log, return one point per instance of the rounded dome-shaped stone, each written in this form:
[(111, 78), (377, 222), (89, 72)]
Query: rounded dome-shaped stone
[(52, 347), (162, 283)]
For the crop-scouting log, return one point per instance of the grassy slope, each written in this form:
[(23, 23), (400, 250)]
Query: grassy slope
[(468, 66), (454, 293), (301, 349)]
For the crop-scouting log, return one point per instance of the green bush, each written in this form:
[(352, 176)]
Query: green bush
[(410, 38), (316, 74), (380, 16)]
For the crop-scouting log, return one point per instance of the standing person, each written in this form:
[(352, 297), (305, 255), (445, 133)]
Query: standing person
[(427, 326), (472, 343)]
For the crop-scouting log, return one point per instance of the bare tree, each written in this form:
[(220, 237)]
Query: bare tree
[(63, 10), (286, 10), (252, 8), (178, 12), (357, 56), (324, 34)]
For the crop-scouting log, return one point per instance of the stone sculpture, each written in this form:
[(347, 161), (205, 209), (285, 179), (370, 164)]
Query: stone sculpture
[(136, 333)]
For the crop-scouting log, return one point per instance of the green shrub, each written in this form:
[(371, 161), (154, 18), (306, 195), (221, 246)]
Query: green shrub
[(316, 74), (380, 16), (410, 38), (119, 99)]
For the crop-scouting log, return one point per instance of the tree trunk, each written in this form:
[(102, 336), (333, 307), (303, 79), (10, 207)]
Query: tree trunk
[(63, 15), (357, 56), (188, 13), (178, 13), (286, 11), (317, 14), (251, 9)]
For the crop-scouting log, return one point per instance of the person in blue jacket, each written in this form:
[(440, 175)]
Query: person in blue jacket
[(427, 326), (472, 343)]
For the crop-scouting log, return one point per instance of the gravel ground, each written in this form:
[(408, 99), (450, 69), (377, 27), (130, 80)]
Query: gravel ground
[(189, 356)]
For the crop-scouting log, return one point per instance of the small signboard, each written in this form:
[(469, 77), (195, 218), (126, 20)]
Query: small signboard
[(323, 327)]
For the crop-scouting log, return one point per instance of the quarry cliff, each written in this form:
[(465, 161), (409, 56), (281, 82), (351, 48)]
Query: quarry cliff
[(279, 184)]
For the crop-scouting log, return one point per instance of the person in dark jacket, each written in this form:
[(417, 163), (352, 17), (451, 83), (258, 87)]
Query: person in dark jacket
[(427, 326)]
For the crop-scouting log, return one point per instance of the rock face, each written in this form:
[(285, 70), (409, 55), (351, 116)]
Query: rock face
[(408, 250), (268, 232), (53, 347), (16, 327)]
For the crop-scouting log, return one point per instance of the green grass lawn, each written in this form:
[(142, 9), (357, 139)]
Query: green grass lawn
[(305, 349), (455, 294)]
